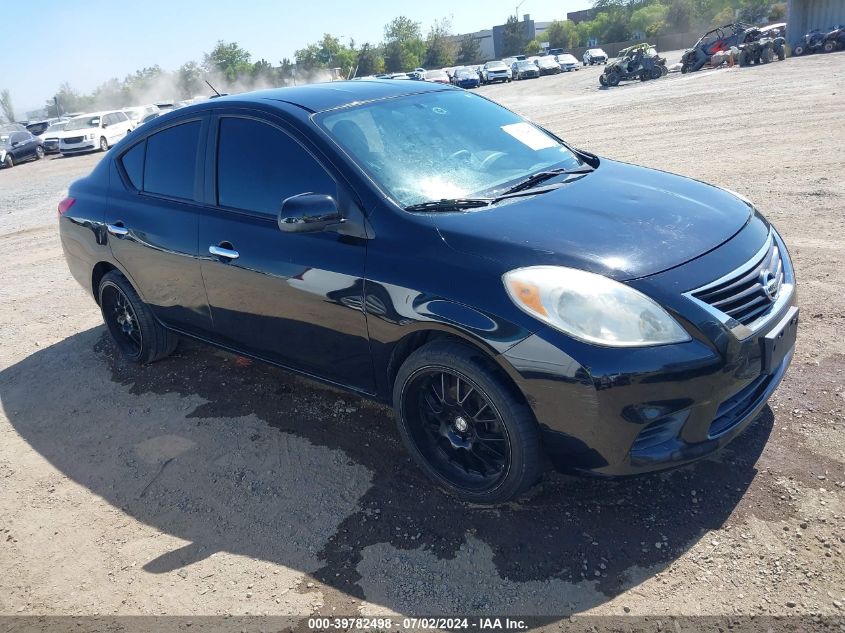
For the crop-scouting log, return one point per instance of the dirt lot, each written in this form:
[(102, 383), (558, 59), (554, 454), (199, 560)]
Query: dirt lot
[(206, 485)]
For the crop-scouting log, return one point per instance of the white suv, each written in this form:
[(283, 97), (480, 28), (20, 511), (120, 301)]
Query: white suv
[(495, 71), (98, 130)]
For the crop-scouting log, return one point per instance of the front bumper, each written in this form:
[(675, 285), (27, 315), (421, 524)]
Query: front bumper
[(76, 148), (51, 146), (612, 411)]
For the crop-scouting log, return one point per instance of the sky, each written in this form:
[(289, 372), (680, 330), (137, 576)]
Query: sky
[(86, 42)]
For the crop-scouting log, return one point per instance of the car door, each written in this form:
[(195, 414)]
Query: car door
[(152, 221), (21, 148), (293, 298)]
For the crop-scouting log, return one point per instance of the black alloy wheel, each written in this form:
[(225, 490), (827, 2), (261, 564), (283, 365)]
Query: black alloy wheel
[(131, 323), (121, 319), (464, 425)]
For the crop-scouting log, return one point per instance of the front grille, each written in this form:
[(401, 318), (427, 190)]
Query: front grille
[(73, 140), (743, 295), (733, 410)]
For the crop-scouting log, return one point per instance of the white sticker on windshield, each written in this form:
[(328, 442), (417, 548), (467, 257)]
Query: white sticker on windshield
[(529, 135)]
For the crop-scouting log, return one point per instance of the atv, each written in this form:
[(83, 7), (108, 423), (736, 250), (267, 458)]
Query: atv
[(810, 43), (639, 61), (834, 40), (759, 47)]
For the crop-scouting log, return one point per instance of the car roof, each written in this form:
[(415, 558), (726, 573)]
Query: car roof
[(335, 94)]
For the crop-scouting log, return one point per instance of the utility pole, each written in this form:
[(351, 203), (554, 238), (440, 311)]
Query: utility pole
[(516, 14)]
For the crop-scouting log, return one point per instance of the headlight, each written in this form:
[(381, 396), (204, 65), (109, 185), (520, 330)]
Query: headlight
[(591, 308)]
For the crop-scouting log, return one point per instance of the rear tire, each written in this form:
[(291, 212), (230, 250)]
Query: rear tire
[(136, 332), (798, 50), (464, 426), (829, 47)]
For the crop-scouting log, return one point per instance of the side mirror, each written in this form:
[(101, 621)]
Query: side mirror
[(309, 213)]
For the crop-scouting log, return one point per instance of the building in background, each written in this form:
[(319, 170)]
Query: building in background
[(805, 15)]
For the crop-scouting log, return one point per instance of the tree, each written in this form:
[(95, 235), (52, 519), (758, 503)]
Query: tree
[(189, 80), (533, 48), (404, 48), (370, 61), (778, 12), (228, 59), (469, 51), (561, 34), (649, 20), (439, 46), (754, 11), (6, 105), (513, 36), (679, 16)]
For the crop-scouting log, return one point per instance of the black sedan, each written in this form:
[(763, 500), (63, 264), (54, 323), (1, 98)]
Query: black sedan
[(18, 147), (524, 70), (514, 298)]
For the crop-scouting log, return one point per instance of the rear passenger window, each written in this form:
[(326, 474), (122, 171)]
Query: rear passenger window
[(258, 166), (171, 161), (133, 165)]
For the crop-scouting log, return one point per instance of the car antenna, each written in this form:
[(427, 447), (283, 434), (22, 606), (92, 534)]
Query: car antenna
[(213, 88)]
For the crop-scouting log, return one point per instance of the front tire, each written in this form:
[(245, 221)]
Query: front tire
[(137, 334), (104, 144), (39, 153), (829, 47), (9, 162), (464, 426)]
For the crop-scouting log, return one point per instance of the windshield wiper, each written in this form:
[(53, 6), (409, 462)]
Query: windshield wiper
[(450, 204), (540, 176)]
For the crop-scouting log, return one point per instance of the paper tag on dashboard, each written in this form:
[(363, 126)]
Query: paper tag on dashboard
[(529, 135)]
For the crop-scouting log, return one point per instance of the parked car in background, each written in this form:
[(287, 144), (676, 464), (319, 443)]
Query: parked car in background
[(594, 56), (511, 296), (548, 65), (50, 137), (495, 71), (524, 70), (567, 62), (437, 76), (18, 147), (137, 114), (155, 115), (418, 74), (98, 130), (465, 77), (37, 127)]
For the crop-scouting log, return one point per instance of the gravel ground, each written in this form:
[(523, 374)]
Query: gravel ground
[(206, 484)]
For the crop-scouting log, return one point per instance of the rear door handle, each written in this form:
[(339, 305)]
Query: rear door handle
[(226, 253), (118, 229)]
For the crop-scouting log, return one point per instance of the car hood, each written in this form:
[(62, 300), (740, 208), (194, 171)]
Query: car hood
[(621, 221)]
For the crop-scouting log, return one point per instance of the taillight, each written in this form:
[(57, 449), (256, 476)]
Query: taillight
[(65, 205)]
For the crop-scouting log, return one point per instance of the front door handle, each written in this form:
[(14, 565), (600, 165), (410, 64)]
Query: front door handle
[(226, 253), (118, 230)]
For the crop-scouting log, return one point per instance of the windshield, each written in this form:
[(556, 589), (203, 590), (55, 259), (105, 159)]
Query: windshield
[(56, 127), (465, 72), (436, 74), (496, 66), (82, 123), (528, 65), (437, 145), (566, 59)]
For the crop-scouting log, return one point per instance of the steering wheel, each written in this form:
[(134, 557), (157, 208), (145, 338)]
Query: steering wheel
[(490, 159)]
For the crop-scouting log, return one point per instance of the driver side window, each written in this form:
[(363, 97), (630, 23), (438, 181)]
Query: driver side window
[(259, 166)]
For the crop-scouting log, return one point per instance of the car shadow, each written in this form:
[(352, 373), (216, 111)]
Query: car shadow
[(274, 492)]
